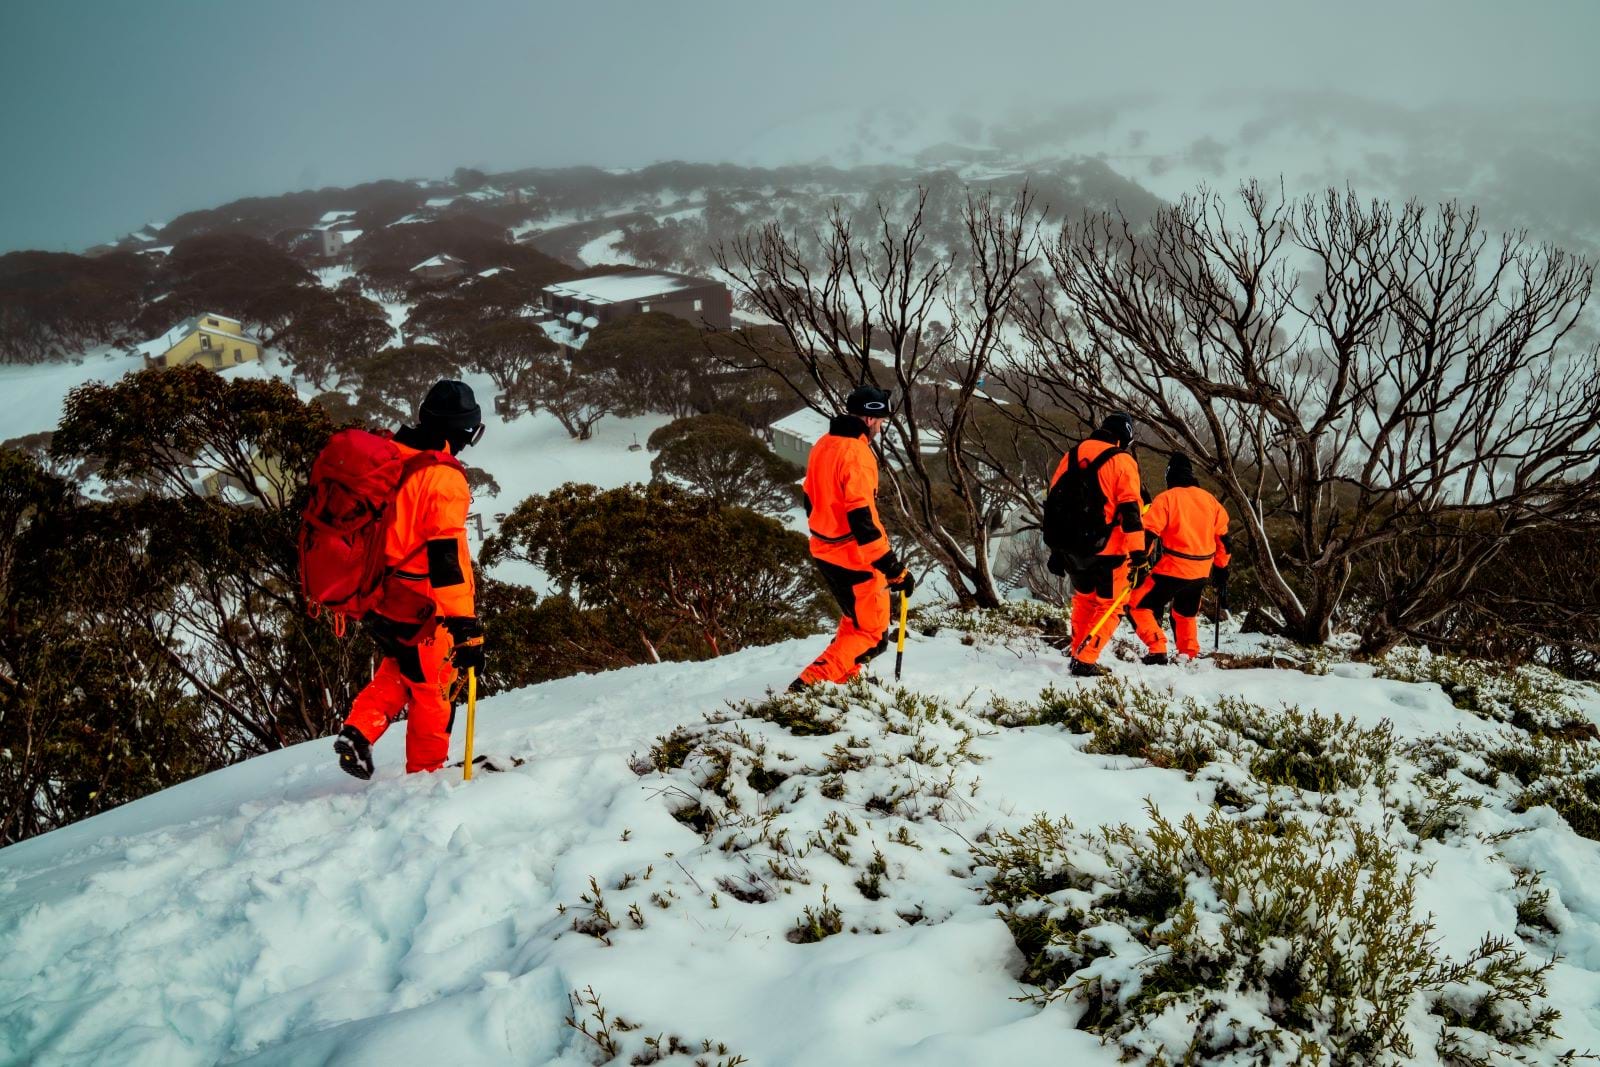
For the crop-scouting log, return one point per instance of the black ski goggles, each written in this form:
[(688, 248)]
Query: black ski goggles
[(477, 435)]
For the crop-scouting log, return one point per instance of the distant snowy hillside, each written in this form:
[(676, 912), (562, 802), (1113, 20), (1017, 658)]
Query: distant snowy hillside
[(1525, 165), (801, 882)]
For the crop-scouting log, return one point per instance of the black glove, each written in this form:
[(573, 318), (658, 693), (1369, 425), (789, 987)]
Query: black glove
[(1056, 566), (467, 632), (903, 583), (1138, 561), (1219, 575)]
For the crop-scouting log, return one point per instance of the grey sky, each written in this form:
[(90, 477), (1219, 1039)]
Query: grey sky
[(118, 112)]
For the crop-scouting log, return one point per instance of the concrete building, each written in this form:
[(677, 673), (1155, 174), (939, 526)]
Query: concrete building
[(211, 340), (609, 297)]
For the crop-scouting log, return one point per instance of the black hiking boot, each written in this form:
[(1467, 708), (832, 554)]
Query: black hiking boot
[(1155, 659), (797, 686), (1081, 669), (355, 755)]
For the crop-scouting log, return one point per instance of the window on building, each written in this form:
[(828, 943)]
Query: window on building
[(644, 307), (205, 341), (697, 306), (238, 355), (212, 322)]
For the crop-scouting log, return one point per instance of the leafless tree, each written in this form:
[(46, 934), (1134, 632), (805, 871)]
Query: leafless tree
[(1352, 375), (863, 308)]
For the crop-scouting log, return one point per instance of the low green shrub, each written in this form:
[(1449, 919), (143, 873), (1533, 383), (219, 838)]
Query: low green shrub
[(1242, 941), (1532, 699)]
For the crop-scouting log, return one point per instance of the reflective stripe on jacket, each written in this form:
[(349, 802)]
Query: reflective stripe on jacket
[(1191, 524), (427, 542)]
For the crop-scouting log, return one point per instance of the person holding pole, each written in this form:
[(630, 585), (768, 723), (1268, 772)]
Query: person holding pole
[(1189, 528), (1093, 528), (427, 562), (848, 542)]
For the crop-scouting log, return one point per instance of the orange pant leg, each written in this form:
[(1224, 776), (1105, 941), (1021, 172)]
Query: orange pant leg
[(429, 720), (1087, 610), (379, 702), (1144, 620), (1187, 629), (857, 639)]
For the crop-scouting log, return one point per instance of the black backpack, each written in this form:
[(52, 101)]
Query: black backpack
[(1075, 527)]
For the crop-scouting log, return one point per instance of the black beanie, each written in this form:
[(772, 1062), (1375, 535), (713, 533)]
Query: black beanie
[(1118, 427), (449, 405), (869, 402), (1179, 471)]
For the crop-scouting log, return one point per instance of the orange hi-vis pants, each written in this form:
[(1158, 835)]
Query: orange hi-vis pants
[(1093, 592), (418, 679), (1152, 598), (863, 631)]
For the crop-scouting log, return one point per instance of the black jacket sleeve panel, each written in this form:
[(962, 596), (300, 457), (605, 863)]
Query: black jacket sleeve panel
[(1131, 520), (888, 564), (866, 531), (444, 563)]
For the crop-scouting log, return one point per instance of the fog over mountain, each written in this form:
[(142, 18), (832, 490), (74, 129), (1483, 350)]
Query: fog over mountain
[(119, 113)]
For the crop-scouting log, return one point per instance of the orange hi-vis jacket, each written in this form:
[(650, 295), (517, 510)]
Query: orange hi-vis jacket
[(427, 541), (841, 490), (1119, 482), (1191, 525)]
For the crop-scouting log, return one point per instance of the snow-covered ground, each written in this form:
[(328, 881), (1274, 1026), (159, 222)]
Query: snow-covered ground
[(278, 912)]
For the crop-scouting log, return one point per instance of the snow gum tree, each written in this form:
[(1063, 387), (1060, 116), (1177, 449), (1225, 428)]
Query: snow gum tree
[(1355, 376), (895, 309)]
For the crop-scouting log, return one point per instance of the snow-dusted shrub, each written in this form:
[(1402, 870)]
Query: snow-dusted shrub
[(1558, 771), (1279, 747), (612, 1037), (1530, 698), (1227, 940), (1124, 719), (1012, 619), (1307, 750)]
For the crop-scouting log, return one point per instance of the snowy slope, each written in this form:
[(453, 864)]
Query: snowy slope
[(279, 912), (1524, 165)]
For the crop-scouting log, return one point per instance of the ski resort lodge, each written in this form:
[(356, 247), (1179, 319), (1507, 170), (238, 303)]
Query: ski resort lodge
[(583, 304), (211, 340)]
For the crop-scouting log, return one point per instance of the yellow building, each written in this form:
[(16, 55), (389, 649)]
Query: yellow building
[(211, 340)]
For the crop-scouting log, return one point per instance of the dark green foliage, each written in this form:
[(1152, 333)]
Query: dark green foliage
[(53, 304), (662, 573), (393, 382), (228, 273), (719, 457), (92, 713), (213, 471), (332, 332), (652, 360)]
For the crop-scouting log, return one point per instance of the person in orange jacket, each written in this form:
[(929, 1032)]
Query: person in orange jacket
[(1190, 527), (848, 542), (426, 549), (1097, 586)]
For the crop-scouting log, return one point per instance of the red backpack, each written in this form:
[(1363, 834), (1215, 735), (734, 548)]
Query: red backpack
[(354, 482)]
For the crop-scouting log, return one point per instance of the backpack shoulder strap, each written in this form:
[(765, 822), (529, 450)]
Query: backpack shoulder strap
[(1100, 461)]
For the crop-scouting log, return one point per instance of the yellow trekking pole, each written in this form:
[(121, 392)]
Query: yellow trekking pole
[(1094, 631), (1111, 612), (900, 642), (472, 714)]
